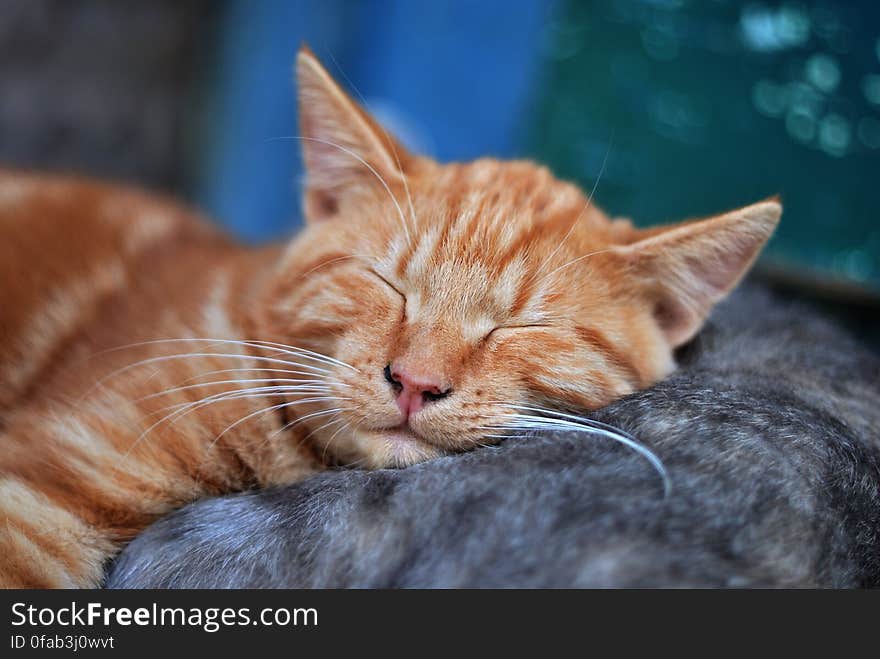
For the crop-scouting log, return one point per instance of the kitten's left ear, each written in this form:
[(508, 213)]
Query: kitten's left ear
[(344, 148), (686, 269)]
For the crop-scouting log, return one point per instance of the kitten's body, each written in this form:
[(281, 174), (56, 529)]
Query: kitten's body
[(96, 268), (770, 430), (420, 306)]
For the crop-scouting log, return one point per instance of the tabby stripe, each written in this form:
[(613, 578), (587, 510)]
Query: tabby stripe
[(466, 235), (548, 391), (26, 565), (45, 536), (524, 293), (518, 245), (404, 258), (609, 352)]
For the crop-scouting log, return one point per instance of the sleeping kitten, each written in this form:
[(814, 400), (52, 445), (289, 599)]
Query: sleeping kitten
[(147, 361)]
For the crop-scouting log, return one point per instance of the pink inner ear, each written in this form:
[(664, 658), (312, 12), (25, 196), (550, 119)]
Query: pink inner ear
[(345, 149), (690, 267), (723, 264), (675, 320), (320, 205), (693, 283)]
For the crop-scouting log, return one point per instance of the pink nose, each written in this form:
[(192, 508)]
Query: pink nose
[(414, 391)]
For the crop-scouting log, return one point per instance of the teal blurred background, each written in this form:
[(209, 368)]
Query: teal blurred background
[(714, 104), (684, 107)]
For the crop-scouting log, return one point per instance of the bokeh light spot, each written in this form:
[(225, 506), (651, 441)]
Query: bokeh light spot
[(769, 98), (766, 29), (823, 72), (834, 134), (871, 88), (801, 125)]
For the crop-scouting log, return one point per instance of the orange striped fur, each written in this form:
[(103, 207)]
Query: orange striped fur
[(492, 279)]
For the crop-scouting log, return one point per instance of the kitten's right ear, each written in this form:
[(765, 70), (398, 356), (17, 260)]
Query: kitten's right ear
[(344, 149)]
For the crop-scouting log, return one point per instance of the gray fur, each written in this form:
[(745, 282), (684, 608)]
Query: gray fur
[(770, 431)]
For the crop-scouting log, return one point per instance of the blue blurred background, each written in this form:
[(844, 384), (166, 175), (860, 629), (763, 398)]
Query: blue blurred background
[(699, 106), (453, 79)]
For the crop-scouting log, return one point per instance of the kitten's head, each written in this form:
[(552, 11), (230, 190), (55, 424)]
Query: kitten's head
[(449, 291)]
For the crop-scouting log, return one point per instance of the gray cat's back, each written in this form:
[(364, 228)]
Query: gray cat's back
[(770, 432)]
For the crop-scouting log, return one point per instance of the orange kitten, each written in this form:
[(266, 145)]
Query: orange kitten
[(146, 360)]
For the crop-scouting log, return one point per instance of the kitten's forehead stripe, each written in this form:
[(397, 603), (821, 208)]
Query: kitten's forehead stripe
[(508, 286), (424, 251)]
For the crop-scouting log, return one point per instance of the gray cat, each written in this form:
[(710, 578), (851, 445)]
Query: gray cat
[(769, 431)]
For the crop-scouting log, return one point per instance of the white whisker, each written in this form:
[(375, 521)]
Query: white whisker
[(276, 407), (319, 413), (219, 355), (238, 394), (302, 384), (303, 352), (555, 420), (365, 164), (573, 261), (293, 351), (318, 429), (251, 392), (213, 341), (258, 370), (586, 205), (332, 437), (336, 260)]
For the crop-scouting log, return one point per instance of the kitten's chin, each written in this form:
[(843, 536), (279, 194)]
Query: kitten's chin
[(393, 448)]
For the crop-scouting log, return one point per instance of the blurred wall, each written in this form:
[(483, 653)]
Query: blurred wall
[(101, 87)]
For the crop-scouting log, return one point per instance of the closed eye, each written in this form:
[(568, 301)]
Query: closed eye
[(387, 283), (527, 326)]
